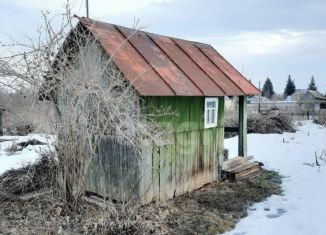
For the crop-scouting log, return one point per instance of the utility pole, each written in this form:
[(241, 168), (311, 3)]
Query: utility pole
[(87, 9), (259, 98)]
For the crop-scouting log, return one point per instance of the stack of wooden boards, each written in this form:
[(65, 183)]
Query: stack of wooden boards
[(240, 168)]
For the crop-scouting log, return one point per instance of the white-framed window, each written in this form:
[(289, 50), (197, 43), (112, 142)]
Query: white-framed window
[(210, 112)]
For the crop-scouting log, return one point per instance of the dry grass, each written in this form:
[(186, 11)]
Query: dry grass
[(14, 183), (31, 207), (13, 149)]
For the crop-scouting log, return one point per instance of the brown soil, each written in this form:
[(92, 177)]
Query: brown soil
[(214, 209)]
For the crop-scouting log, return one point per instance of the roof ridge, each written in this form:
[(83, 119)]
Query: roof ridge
[(146, 32), (170, 63)]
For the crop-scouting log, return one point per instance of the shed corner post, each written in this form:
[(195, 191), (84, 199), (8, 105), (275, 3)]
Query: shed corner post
[(220, 137), (242, 147)]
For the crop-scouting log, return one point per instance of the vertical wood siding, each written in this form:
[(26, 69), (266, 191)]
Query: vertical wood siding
[(187, 162), (191, 157), (114, 171)]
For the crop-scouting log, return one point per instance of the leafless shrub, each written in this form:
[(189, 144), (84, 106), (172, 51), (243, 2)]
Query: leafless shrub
[(13, 149), (14, 183), (25, 114), (92, 98), (95, 101)]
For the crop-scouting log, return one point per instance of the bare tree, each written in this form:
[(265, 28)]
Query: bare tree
[(93, 99)]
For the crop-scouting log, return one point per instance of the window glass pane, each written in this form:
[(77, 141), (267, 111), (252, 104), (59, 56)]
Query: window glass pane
[(211, 104), (212, 116), (207, 116)]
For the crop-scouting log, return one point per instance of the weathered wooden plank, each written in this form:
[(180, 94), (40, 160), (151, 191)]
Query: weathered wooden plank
[(187, 163), (200, 159), (145, 169), (199, 151), (214, 154), (247, 172), (242, 150), (156, 173), (243, 167), (235, 162), (206, 137), (184, 162), (179, 162), (193, 152), (220, 138), (251, 175), (173, 164), (114, 171), (166, 190), (189, 157)]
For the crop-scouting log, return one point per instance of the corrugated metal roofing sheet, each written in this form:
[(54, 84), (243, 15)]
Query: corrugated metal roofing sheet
[(164, 66)]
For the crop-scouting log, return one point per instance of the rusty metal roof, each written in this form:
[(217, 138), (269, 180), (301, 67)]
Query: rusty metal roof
[(165, 66)]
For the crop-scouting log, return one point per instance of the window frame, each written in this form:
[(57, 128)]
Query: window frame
[(206, 123)]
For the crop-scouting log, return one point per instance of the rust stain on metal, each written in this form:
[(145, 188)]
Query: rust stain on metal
[(210, 69), (163, 66), (187, 66), (181, 85), (228, 69)]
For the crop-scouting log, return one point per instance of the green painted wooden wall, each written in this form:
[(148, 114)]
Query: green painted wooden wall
[(191, 157)]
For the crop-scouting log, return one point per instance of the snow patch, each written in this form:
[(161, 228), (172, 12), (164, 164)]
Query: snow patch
[(28, 155), (301, 210)]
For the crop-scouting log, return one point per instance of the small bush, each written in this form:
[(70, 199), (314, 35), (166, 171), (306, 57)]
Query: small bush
[(13, 149), (29, 178)]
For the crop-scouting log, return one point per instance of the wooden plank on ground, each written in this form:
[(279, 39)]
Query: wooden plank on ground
[(250, 176), (243, 167), (247, 172), (235, 161), (220, 138)]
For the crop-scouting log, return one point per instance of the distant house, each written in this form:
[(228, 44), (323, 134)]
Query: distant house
[(297, 95), (313, 101), (193, 80)]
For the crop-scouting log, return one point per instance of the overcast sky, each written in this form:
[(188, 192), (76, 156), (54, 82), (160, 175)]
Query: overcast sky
[(260, 38)]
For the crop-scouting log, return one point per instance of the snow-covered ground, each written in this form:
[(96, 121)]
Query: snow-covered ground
[(300, 211), (28, 155), (302, 208)]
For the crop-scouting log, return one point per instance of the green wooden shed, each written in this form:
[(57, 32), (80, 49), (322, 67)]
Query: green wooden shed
[(189, 78)]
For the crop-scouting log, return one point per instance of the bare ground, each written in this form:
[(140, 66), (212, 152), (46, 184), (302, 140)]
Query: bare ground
[(213, 209)]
